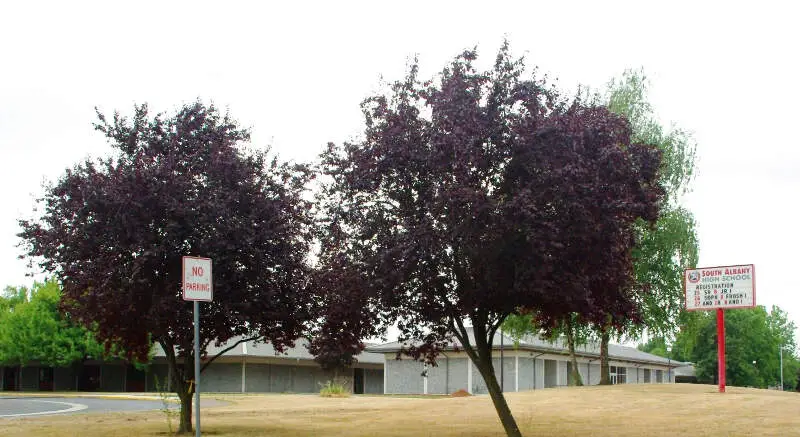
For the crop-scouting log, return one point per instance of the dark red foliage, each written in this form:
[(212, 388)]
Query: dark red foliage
[(481, 194), (114, 232), (343, 320)]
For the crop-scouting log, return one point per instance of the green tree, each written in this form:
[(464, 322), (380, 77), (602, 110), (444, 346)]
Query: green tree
[(689, 324), (665, 249), (12, 296), (783, 330), (571, 327), (33, 329), (753, 339), (655, 346)]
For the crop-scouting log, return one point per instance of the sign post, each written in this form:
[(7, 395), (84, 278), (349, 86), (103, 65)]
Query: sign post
[(720, 288), (721, 348), (198, 286)]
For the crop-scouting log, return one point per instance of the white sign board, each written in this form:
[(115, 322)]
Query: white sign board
[(197, 283), (710, 288)]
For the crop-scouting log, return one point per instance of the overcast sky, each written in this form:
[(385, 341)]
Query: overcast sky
[(296, 74)]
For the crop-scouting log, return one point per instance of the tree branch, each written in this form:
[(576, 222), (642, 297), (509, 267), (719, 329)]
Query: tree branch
[(465, 340), (207, 363), (494, 326), (172, 362)]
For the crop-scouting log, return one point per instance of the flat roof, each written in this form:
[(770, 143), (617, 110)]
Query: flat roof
[(535, 343), (262, 349)]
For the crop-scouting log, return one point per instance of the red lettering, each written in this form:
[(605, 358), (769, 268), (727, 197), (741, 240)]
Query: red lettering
[(195, 286), (197, 271)]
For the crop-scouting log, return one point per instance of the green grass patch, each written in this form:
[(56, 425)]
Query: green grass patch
[(336, 388)]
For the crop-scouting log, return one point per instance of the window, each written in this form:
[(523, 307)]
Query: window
[(622, 375), (618, 375)]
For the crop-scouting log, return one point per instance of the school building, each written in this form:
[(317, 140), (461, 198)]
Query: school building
[(247, 368), (257, 368), (531, 364)]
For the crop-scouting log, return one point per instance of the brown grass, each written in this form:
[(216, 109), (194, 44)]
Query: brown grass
[(632, 410)]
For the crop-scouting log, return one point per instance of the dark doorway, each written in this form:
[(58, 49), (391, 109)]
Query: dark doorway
[(10, 377), (89, 379), (134, 379), (45, 379), (358, 381)]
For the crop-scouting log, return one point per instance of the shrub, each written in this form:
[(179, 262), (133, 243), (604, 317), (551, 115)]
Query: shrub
[(167, 406), (336, 388)]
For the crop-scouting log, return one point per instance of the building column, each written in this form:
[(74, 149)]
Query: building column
[(425, 379), (516, 373), (469, 375), (558, 372), (244, 374), (447, 375), (385, 375), (244, 367)]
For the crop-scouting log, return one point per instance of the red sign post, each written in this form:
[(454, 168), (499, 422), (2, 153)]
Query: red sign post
[(721, 348), (720, 288)]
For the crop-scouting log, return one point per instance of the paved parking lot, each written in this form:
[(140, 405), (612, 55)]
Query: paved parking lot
[(19, 407)]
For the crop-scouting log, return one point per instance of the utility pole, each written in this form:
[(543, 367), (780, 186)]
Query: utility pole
[(781, 354), (669, 365)]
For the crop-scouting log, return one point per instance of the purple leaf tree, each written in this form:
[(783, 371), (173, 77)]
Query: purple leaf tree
[(475, 196), (114, 231)]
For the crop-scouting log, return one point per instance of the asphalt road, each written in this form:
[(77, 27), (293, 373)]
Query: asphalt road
[(20, 407)]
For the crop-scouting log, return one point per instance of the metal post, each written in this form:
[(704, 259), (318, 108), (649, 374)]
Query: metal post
[(781, 353), (197, 369), (721, 348), (669, 364)]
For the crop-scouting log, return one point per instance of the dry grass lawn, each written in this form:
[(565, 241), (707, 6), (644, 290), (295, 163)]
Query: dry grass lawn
[(624, 410)]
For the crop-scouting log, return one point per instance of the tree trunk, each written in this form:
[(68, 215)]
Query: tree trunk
[(575, 374), (605, 374), (486, 370), (180, 383), (481, 355), (185, 425)]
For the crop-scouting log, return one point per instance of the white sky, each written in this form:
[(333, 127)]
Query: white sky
[(296, 74)]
